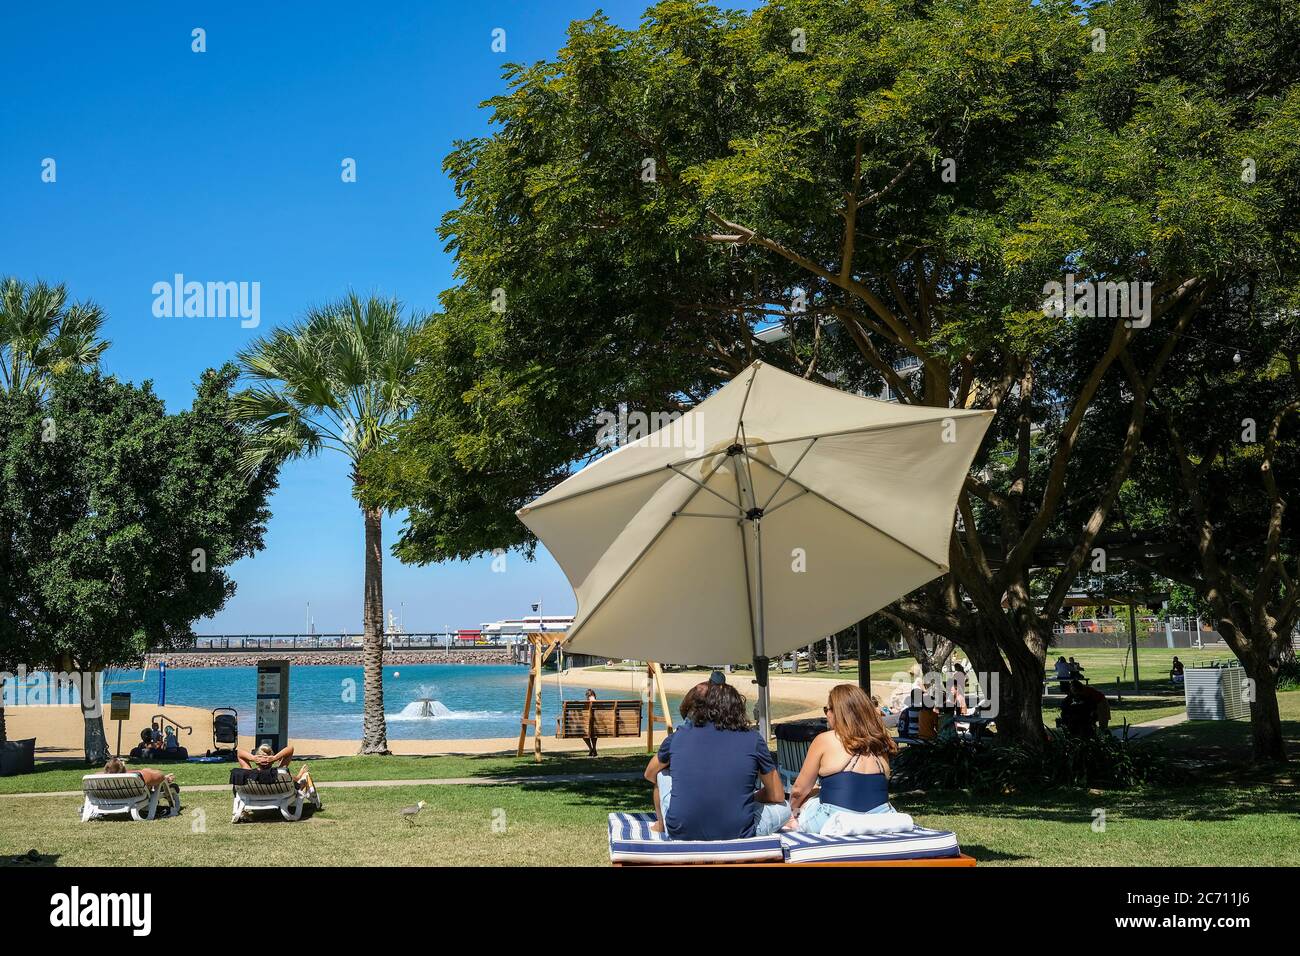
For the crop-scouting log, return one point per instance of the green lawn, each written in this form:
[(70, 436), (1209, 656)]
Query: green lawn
[(1226, 813)]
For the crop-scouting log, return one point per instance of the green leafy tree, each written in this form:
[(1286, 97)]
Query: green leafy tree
[(117, 522), (1221, 472), (340, 379), (894, 184), (40, 336)]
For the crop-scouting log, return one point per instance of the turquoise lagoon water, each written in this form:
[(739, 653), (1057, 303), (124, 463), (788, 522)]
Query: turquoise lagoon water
[(469, 700)]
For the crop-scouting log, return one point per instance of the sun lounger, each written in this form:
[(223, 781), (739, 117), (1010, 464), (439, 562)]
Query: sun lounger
[(631, 842), (108, 794), (283, 795)]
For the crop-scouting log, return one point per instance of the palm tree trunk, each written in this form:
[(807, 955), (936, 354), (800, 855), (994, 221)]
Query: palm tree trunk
[(374, 731)]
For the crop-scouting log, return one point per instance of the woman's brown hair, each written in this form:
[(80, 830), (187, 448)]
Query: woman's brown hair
[(691, 699), (858, 725)]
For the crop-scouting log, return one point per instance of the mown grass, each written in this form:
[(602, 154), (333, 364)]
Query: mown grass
[(1222, 813), (58, 775)]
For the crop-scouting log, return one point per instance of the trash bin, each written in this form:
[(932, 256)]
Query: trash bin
[(793, 738), (1216, 692), (17, 756)]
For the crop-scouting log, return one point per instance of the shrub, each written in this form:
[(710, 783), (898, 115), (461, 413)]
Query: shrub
[(1064, 761)]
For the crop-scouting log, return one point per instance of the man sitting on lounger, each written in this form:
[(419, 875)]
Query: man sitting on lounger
[(263, 766), (717, 781)]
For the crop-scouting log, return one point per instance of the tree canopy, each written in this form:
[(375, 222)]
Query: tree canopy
[(118, 521), (894, 184)]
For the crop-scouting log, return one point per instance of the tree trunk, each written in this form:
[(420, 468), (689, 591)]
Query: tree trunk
[(812, 657), (833, 652), (374, 731), (1265, 719), (97, 752), (3, 734)]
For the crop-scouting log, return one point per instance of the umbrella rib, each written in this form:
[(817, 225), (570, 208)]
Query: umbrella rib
[(739, 508), (785, 475), (744, 402), (768, 511), (857, 518), (637, 560)]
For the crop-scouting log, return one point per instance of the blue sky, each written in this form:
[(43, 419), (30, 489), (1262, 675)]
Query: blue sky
[(225, 166)]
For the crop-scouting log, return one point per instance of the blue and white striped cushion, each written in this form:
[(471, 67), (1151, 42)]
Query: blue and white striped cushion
[(632, 841), (917, 843)]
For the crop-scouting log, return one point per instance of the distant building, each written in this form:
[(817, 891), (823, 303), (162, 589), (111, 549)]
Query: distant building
[(514, 630)]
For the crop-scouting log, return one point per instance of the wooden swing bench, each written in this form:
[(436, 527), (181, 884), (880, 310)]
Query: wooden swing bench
[(598, 719)]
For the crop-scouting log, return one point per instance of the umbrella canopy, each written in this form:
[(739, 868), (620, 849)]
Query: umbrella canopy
[(774, 513)]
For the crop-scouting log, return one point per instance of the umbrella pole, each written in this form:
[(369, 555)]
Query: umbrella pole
[(760, 657)]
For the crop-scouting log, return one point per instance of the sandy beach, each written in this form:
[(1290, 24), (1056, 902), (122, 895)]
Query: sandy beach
[(59, 730), (803, 690)]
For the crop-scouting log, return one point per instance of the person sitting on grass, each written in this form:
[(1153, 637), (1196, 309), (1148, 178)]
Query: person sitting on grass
[(1176, 671), (717, 780), (851, 760), (263, 766), (1083, 709)]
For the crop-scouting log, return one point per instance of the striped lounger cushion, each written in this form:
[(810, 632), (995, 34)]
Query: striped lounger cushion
[(915, 844), (632, 841)]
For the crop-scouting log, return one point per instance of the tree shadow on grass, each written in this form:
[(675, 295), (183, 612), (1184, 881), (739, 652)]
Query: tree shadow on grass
[(18, 861)]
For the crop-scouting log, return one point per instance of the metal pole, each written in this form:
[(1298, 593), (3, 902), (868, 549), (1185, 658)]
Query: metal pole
[(1133, 640), (864, 657), (760, 657)]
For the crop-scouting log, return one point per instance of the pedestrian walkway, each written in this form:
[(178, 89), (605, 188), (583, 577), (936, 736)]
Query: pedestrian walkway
[(516, 780)]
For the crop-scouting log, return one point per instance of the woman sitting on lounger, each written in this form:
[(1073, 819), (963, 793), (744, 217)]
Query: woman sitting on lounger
[(851, 759), (263, 766)]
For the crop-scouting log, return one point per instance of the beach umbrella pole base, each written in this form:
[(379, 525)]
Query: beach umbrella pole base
[(764, 702)]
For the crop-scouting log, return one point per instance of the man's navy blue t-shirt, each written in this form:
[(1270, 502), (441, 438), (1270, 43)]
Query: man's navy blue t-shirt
[(715, 773)]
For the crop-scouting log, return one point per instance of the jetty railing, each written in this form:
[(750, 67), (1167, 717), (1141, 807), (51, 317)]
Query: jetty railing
[(434, 641)]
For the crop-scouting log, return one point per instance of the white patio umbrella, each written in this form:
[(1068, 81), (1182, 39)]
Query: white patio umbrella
[(774, 513)]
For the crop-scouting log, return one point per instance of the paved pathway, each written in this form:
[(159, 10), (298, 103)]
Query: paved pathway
[(1138, 731), (427, 782)]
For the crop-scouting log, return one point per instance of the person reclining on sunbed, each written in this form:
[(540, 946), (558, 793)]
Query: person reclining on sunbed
[(263, 766), (851, 759), (153, 779), (717, 780)]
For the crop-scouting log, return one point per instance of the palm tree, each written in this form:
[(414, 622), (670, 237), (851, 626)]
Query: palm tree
[(339, 379), (40, 335)]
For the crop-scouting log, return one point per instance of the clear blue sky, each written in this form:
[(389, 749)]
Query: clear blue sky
[(225, 166)]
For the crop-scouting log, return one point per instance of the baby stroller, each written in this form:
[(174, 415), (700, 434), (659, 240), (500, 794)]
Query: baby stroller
[(225, 733)]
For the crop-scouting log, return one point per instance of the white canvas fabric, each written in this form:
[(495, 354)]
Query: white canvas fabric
[(670, 561)]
